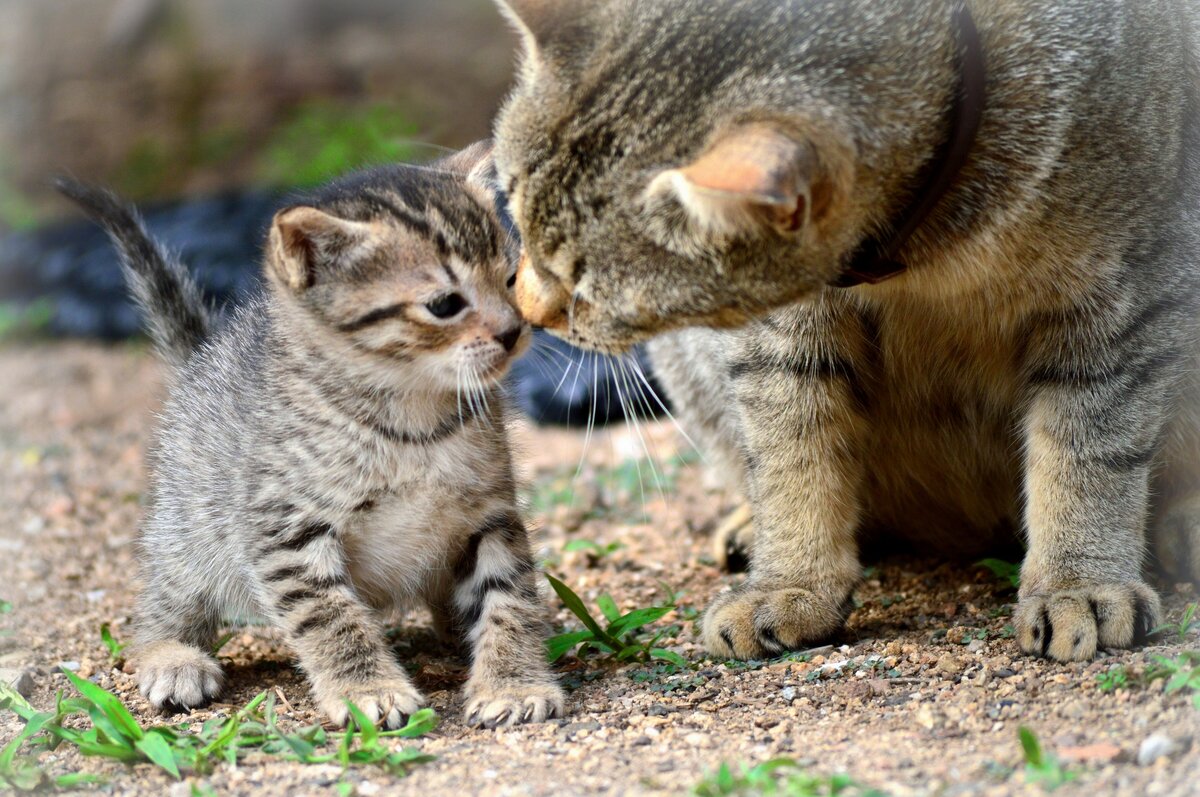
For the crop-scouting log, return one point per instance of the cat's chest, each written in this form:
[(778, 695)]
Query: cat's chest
[(401, 547)]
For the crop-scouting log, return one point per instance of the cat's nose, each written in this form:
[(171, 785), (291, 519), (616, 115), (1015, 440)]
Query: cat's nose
[(509, 337), (542, 302)]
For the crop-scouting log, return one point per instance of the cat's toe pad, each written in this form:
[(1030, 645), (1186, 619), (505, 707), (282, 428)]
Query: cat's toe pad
[(512, 705), (752, 622), (177, 675), (387, 701), (1072, 624)]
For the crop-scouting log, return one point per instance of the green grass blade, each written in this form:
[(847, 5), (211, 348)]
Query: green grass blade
[(608, 607), (575, 604), (117, 721), (159, 752)]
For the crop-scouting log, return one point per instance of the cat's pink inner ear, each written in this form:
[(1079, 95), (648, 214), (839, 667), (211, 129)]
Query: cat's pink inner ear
[(757, 166), (756, 162)]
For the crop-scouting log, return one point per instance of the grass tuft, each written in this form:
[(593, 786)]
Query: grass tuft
[(1042, 767), (115, 734), (622, 637), (779, 776)]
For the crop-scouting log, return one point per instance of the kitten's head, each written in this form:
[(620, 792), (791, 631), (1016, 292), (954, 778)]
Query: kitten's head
[(688, 162), (407, 267)]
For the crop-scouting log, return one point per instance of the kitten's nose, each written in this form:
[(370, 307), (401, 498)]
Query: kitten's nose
[(509, 337)]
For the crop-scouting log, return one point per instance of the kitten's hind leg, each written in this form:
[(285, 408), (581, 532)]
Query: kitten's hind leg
[(337, 636), (174, 667), (500, 612)]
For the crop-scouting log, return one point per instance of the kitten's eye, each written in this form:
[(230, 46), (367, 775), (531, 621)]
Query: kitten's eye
[(512, 281), (447, 306)]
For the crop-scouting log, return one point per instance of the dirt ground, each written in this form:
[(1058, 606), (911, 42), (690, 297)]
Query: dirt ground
[(923, 693)]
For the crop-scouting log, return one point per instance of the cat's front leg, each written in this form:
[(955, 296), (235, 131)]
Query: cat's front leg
[(336, 635), (1093, 436), (500, 612), (800, 387)]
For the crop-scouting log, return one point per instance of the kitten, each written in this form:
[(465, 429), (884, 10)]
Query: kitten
[(337, 450), (753, 166)]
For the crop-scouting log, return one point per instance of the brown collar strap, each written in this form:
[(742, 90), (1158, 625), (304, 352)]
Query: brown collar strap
[(876, 259)]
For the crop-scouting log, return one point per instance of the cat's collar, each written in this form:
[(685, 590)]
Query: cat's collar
[(877, 258)]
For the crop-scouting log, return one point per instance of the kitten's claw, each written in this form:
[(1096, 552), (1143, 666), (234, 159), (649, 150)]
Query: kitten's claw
[(389, 702), (507, 706), (756, 621), (1072, 624), (177, 675)]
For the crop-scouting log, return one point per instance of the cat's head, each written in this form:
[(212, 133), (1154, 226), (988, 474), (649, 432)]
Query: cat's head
[(675, 162), (406, 267)]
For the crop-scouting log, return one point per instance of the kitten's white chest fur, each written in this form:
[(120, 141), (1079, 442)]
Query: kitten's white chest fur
[(401, 550)]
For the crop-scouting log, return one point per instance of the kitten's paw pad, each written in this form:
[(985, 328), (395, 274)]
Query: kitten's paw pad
[(176, 675), (752, 622), (1177, 541), (1071, 625), (733, 540), (388, 701), (513, 705)]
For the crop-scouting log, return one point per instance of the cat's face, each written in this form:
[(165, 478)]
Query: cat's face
[(416, 279), (662, 178)]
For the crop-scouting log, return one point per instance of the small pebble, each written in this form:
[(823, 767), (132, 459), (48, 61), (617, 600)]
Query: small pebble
[(1154, 747), (73, 666), (788, 693)]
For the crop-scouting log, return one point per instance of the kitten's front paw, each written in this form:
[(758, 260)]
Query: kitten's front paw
[(1072, 624), (177, 675), (755, 621), (733, 540), (388, 700), (513, 704)]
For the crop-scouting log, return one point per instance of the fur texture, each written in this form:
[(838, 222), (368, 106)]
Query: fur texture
[(680, 164), (337, 451)]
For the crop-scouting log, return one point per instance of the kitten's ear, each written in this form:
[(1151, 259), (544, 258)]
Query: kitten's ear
[(474, 162), (306, 242), (750, 177)]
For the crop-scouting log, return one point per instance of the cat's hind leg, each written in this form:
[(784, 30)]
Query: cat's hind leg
[(733, 540)]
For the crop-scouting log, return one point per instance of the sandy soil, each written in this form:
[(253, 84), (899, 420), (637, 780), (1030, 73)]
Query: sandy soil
[(923, 694)]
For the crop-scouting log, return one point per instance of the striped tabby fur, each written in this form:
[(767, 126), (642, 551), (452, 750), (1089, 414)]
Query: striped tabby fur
[(679, 164), (337, 450)]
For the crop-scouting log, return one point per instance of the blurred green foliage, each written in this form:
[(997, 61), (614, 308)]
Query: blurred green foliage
[(323, 139)]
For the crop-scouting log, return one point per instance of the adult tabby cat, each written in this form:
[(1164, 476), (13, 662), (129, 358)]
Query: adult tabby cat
[(685, 167)]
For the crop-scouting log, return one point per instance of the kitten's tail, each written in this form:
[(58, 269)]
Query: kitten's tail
[(176, 316)]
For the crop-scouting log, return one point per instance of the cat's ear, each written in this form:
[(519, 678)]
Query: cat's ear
[(547, 26), (749, 178), (306, 242)]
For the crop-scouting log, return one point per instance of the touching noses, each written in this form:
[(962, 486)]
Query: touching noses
[(509, 337), (543, 302)]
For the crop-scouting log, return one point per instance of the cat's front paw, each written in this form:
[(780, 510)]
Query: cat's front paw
[(754, 621), (177, 675), (1072, 624), (733, 540), (390, 701), (512, 704)]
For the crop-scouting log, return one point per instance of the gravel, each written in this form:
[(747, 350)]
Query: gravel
[(922, 694)]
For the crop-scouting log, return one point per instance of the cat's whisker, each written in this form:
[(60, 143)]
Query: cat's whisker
[(640, 373)]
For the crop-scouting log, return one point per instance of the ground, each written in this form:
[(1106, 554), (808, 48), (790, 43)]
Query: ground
[(922, 694)]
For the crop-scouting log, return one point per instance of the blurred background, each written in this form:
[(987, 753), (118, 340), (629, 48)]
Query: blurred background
[(206, 112)]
